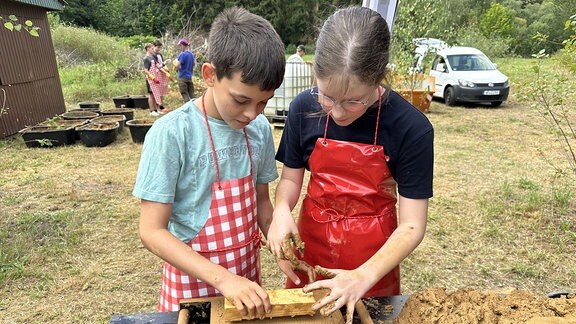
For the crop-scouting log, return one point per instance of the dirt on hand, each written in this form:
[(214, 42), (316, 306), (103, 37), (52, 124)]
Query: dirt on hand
[(436, 305)]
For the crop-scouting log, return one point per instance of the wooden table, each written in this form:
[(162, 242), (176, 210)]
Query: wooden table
[(397, 303)]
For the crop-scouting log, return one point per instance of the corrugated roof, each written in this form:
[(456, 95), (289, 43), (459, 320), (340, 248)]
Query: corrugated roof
[(48, 4)]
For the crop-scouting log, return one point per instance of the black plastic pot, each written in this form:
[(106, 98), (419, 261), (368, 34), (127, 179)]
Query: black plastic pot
[(138, 129), (140, 101), (98, 135), (65, 123), (128, 112), (89, 105), (79, 114), (123, 102), (110, 119), (48, 136)]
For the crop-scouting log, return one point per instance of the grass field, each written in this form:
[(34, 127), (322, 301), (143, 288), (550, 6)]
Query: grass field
[(502, 215)]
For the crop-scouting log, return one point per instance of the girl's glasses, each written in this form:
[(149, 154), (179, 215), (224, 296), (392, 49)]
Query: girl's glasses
[(329, 102)]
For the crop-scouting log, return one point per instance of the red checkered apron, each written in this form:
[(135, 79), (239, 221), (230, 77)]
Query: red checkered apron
[(229, 238), (158, 89)]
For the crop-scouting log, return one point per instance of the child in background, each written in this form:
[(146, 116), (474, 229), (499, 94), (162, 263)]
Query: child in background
[(151, 79), (162, 88), (185, 66), (205, 168)]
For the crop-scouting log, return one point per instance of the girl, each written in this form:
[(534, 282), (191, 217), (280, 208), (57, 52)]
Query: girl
[(364, 146)]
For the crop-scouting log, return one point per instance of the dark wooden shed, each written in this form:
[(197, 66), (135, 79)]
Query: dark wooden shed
[(30, 89)]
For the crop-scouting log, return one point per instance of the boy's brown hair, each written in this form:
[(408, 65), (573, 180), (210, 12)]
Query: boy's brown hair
[(240, 41)]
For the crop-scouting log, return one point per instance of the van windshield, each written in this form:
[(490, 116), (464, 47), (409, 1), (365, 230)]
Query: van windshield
[(470, 62)]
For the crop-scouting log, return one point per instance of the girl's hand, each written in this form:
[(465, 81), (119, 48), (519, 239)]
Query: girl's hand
[(289, 270), (346, 288), (282, 225), (250, 299)]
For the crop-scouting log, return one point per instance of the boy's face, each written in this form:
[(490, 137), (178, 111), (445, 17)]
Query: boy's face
[(238, 103)]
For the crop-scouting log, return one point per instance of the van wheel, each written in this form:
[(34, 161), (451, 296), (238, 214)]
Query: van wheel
[(449, 96), (495, 103)]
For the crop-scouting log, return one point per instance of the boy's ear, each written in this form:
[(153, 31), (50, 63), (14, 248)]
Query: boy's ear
[(209, 73)]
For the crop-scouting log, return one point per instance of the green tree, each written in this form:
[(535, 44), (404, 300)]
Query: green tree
[(497, 21), (79, 12), (416, 19)]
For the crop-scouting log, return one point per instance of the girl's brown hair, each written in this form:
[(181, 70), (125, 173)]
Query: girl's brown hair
[(353, 43)]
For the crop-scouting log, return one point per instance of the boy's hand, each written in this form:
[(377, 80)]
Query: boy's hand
[(250, 299)]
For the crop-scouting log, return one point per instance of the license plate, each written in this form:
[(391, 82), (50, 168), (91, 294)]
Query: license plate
[(491, 92)]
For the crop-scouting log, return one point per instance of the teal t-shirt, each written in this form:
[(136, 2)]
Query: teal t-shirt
[(177, 165)]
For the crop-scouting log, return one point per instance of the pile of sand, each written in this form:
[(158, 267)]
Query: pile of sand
[(436, 305)]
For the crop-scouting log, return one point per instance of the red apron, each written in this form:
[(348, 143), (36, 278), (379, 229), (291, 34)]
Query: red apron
[(349, 211), (230, 238)]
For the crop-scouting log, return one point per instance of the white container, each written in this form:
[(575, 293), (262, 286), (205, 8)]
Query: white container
[(297, 78)]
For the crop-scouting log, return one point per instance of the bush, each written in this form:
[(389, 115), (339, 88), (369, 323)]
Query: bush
[(95, 66), (96, 82), (138, 41), (76, 45), (567, 57), (492, 47)]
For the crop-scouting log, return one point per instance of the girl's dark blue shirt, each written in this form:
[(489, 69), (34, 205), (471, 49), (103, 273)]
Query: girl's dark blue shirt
[(406, 134)]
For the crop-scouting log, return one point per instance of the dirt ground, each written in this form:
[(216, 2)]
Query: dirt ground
[(492, 223)]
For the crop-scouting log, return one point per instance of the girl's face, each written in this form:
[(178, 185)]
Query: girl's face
[(346, 107)]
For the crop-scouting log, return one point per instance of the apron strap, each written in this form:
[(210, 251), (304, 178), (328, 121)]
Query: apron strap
[(378, 116), (256, 239), (379, 89), (214, 155)]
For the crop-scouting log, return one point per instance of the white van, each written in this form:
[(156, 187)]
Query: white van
[(465, 74)]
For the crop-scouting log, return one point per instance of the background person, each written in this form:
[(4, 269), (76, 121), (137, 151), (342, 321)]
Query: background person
[(150, 78), (363, 144), (297, 57), (185, 66), (205, 168), (163, 88)]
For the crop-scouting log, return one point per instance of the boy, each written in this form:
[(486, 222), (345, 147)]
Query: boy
[(185, 65), (199, 167)]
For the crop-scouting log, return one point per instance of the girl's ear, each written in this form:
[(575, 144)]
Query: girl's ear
[(208, 73)]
